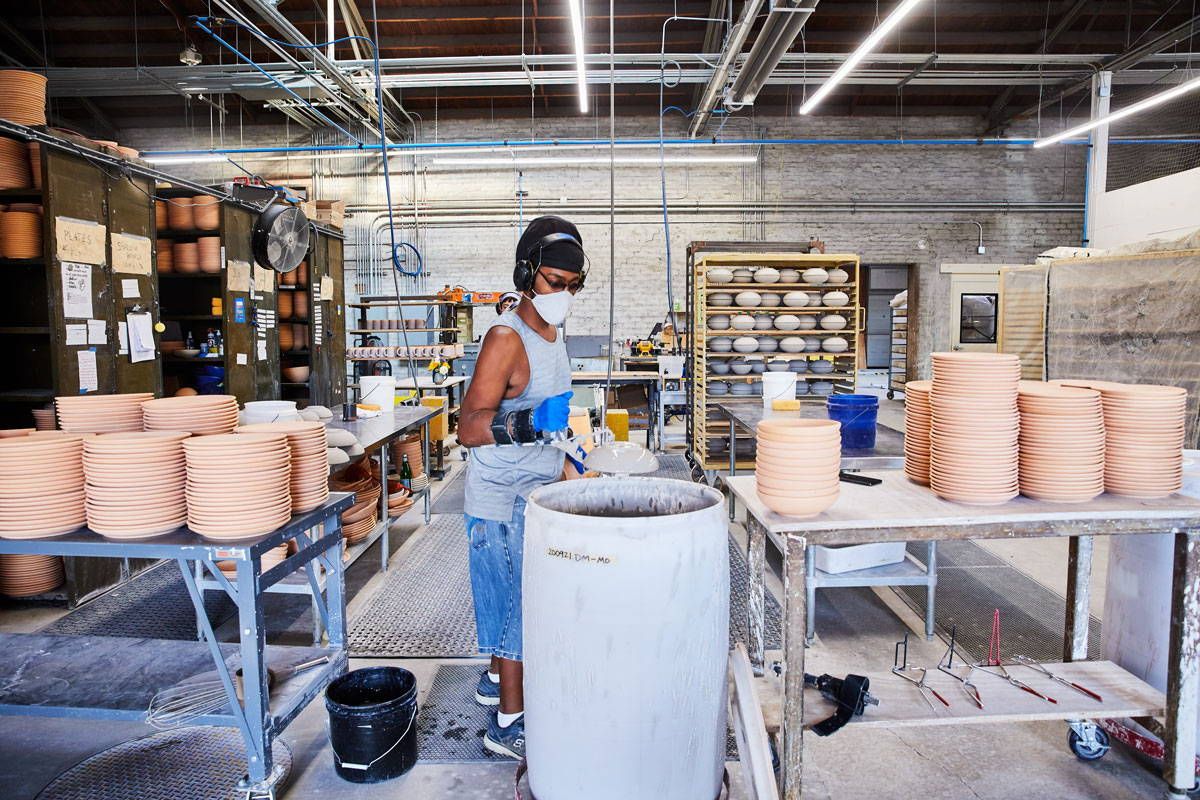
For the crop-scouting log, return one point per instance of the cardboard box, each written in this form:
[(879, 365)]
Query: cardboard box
[(331, 213)]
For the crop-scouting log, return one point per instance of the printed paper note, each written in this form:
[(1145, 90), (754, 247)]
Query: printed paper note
[(77, 290), (77, 334), (89, 380), (97, 331)]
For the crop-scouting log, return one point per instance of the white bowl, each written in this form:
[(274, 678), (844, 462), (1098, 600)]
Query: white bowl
[(767, 344), (763, 322), (795, 299), (741, 367), (808, 322), (833, 322), (792, 344), (836, 299), (766, 275), (722, 344), (742, 322), (720, 322), (720, 300), (789, 276), (770, 300), (719, 368), (812, 345), (745, 344), (815, 275), (820, 366), (748, 299), (821, 388), (778, 366), (743, 275), (719, 275), (835, 344), (838, 275), (718, 388), (787, 322)]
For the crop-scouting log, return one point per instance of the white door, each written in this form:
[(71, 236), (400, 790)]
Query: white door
[(974, 312)]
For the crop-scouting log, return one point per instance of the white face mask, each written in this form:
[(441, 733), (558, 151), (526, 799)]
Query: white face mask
[(553, 307)]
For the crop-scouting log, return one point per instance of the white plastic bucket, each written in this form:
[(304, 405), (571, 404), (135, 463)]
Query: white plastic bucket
[(378, 390), (778, 386), (626, 627)]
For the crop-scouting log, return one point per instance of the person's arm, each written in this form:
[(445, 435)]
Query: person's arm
[(499, 357)]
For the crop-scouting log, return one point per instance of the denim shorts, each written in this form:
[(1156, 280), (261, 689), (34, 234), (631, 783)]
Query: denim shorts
[(496, 549)]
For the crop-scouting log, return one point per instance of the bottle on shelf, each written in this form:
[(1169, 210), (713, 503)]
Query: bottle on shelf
[(191, 341), (210, 347), (406, 474), (220, 345)]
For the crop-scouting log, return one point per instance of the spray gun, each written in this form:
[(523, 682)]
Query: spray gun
[(849, 694)]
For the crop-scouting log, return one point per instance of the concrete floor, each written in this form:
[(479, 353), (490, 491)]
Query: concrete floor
[(998, 762)]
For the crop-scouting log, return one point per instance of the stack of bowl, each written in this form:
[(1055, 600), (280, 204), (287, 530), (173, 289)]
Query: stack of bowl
[(285, 305), (181, 214), (186, 258), (14, 165), (408, 446), (160, 215), (1061, 442), (974, 427), (164, 254), (101, 413), (135, 483), (302, 270), (22, 97), (21, 231), (238, 484), (208, 252), (359, 520), (286, 341), (200, 415), (43, 419), (917, 417), (310, 470), (797, 465), (23, 575), (35, 164), (299, 336), (300, 305), (206, 212), (41, 485)]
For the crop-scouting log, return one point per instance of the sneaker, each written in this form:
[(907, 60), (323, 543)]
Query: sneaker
[(508, 741), (486, 692)]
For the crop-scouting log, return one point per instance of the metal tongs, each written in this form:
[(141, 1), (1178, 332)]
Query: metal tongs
[(901, 668), (968, 687), (995, 666), (1029, 662)]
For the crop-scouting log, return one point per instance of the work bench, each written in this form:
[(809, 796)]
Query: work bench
[(900, 510), (98, 677), (650, 380)]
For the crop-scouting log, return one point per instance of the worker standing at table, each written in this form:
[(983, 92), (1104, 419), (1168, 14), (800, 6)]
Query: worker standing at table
[(520, 392)]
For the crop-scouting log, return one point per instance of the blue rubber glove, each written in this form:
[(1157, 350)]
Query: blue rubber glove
[(553, 414)]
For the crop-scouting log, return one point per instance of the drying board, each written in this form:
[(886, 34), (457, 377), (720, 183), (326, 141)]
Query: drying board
[(1022, 328)]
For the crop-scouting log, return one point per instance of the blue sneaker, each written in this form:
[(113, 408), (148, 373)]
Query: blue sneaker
[(486, 692), (508, 741)]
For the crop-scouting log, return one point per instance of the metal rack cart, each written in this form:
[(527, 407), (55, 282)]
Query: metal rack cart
[(898, 366)]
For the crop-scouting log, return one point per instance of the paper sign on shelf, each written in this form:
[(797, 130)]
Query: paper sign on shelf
[(131, 253), (141, 337), (77, 290), (77, 334), (129, 288), (123, 337), (237, 276), (89, 379), (243, 359), (262, 350), (79, 240), (97, 331), (264, 279), (326, 288)]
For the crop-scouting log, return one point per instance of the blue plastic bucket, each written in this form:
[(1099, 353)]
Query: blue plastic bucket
[(857, 413)]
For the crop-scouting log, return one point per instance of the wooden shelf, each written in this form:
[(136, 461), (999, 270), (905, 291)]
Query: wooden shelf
[(190, 275), (26, 330), (26, 395), (775, 287), (368, 331), (394, 304), (752, 310), (21, 262), (30, 193), (193, 233), (801, 376), (789, 356), (732, 334), (191, 317)]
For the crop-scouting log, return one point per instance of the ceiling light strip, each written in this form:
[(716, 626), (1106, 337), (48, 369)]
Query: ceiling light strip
[(576, 7), (1128, 111)]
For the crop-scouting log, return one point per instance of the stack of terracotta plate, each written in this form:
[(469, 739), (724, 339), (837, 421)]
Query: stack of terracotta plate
[(201, 415), (22, 97), (359, 520), (974, 427), (797, 465), (14, 165), (35, 163), (917, 417), (1061, 442), (135, 483), (1144, 428), (160, 215), (43, 419), (408, 446), (23, 575), (237, 484), (285, 305), (164, 251), (206, 210), (41, 485), (310, 467), (21, 232), (101, 413), (181, 214), (269, 559), (208, 249), (186, 258)]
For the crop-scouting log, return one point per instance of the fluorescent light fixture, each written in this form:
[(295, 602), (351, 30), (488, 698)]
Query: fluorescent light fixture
[(866, 48), (1128, 111), (200, 158), (576, 7), (587, 161)]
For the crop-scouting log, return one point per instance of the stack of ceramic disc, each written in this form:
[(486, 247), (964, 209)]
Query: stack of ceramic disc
[(797, 465), (974, 426), (160, 215), (21, 232), (23, 575), (359, 520), (41, 485), (408, 446), (22, 97), (208, 250), (101, 413), (186, 258), (201, 415), (238, 484), (917, 416), (206, 212), (43, 419), (1144, 429), (164, 252), (310, 467), (13, 433), (181, 214), (269, 559), (35, 163), (1061, 442), (135, 483), (14, 165)]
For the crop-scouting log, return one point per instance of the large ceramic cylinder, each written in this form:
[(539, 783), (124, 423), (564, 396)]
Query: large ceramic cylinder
[(626, 626)]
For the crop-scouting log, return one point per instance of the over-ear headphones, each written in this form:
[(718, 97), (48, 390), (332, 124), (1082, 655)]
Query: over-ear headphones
[(526, 268)]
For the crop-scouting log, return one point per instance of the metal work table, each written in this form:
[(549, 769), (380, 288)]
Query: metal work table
[(899, 510), (651, 380), (117, 677)]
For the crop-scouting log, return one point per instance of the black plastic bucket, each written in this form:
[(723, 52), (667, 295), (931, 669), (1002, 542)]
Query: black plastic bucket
[(373, 723)]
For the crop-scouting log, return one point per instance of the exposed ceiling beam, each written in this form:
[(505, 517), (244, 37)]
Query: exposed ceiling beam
[(712, 38)]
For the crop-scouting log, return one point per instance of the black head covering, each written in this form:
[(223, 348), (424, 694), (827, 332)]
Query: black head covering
[(563, 254)]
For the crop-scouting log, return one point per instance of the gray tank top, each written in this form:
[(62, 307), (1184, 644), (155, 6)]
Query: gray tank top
[(498, 474)]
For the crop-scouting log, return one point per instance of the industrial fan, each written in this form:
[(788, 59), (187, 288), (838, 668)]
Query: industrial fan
[(280, 237)]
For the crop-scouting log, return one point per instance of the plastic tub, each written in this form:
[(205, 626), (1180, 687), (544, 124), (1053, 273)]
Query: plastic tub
[(858, 414), (372, 723)]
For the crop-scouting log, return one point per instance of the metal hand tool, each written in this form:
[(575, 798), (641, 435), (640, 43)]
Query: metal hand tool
[(968, 687), (1029, 662), (994, 665), (901, 668)]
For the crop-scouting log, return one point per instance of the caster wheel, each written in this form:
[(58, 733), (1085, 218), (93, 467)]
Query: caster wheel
[(1089, 751), (891, 395)]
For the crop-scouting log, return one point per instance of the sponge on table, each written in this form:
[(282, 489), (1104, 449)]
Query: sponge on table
[(785, 405), (617, 420)]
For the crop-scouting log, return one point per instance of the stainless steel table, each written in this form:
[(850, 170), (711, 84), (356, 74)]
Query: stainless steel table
[(650, 380), (899, 510), (108, 678)]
